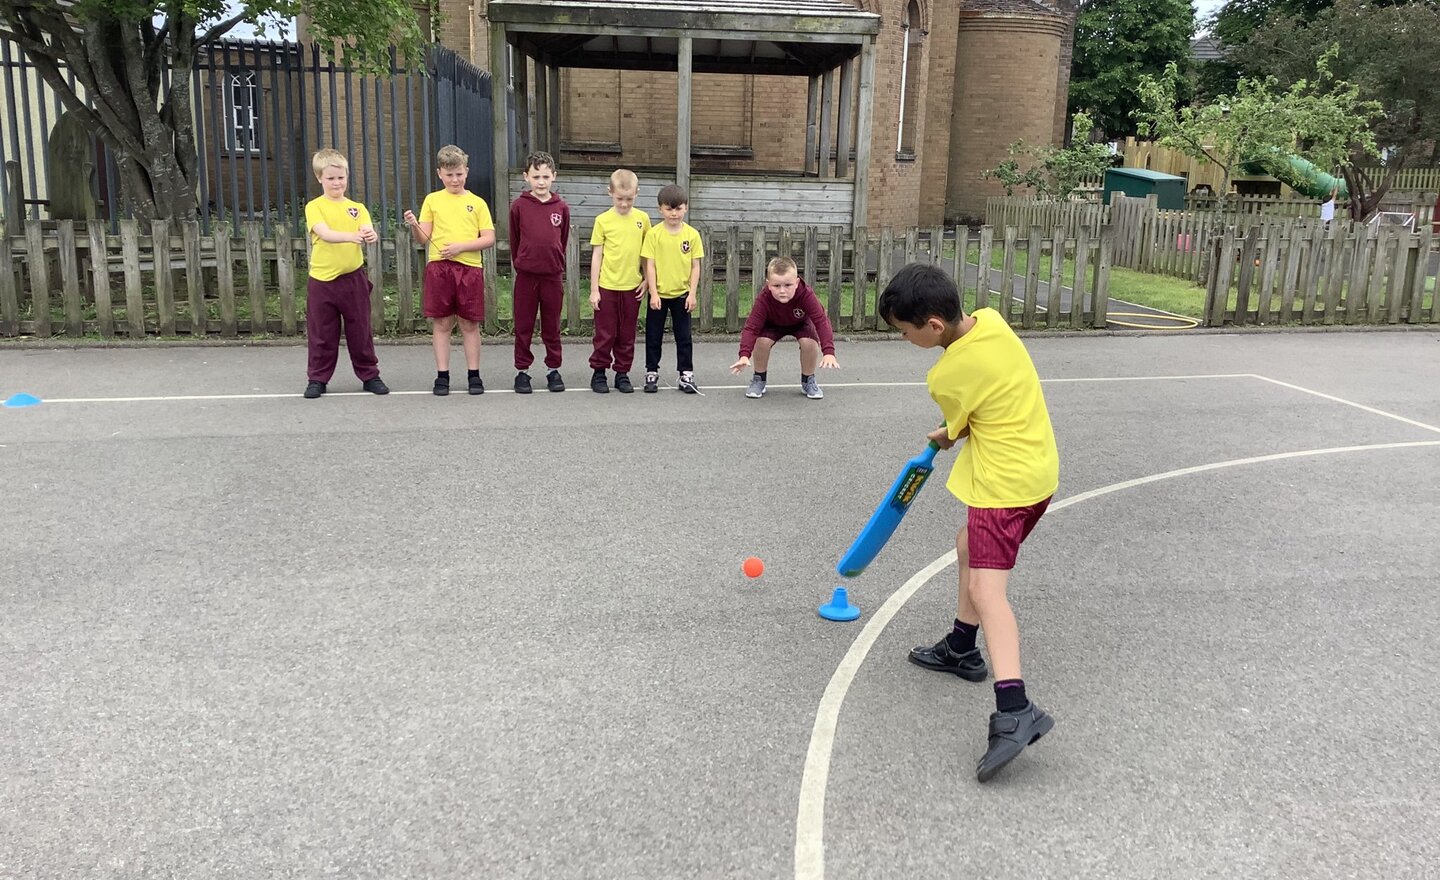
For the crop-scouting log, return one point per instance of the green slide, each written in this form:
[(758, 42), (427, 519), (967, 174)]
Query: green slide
[(1303, 176)]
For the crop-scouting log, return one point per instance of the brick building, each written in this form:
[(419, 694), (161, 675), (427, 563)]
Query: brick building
[(956, 82)]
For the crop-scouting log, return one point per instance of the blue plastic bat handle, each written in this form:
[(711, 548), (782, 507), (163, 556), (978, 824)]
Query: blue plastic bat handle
[(887, 516)]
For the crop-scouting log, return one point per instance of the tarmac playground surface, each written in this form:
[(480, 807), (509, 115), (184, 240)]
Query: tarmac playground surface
[(250, 635)]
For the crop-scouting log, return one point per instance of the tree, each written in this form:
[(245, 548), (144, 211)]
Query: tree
[(118, 51), (1118, 41), (1323, 121), (1392, 53), (1053, 171), (1233, 23)]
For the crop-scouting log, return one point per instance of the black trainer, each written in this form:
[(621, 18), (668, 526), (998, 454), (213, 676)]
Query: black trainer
[(554, 382), (1010, 733), (652, 382), (599, 383), (522, 382), (477, 385), (376, 386), (442, 386), (622, 383), (314, 390), (969, 665)]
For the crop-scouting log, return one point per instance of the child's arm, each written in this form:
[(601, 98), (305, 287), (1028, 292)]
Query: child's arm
[(816, 312), (694, 283), (514, 233), (957, 422), (650, 283), (326, 234), (750, 332), (597, 256), (419, 232), (455, 248)]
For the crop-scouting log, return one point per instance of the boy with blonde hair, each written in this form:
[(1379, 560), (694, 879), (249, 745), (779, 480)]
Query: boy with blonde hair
[(616, 282), (539, 233), (456, 225), (989, 392), (338, 293), (786, 307), (672, 252)]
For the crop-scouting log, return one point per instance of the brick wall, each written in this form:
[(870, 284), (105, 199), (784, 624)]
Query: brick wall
[(999, 99)]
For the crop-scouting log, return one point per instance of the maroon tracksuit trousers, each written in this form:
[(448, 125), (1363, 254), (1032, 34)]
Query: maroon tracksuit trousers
[(545, 293), (615, 330), (344, 299)]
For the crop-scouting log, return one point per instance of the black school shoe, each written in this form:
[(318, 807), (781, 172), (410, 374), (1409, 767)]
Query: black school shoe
[(599, 383), (969, 665), (554, 382), (376, 386), (522, 382), (1010, 733), (622, 383), (477, 385), (442, 386), (314, 390)]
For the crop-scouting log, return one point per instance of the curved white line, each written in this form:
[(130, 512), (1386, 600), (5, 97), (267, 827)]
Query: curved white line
[(810, 818)]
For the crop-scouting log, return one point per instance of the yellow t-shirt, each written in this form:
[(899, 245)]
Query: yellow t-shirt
[(329, 261), (622, 236), (673, 253), (457, 218), (985, 379)]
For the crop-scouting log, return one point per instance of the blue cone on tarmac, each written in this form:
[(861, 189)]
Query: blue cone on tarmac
[(16, 401), (839, 607)]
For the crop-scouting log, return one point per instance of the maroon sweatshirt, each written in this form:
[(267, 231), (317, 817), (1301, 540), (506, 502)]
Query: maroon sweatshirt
[(769, 312), (539, 232)]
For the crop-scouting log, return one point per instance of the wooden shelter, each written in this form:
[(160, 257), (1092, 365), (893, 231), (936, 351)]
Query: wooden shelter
[(819, 39)]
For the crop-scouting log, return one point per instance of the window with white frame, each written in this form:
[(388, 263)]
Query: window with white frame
[(242, 111)]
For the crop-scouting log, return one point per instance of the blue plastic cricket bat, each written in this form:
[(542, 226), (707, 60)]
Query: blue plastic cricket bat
[(882, 524)]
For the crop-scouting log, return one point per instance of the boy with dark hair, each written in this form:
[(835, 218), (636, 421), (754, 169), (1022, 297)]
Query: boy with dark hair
[(988, 390), (672, 254), (539, 233), (786, 307)]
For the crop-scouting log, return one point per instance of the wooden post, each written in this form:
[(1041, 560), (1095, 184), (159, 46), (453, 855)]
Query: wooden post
[(374, 269), (812, 255), (100, 277), (491, 274), (827, 121), (732, 278), (255, 277), (9, 296), (225, 279), (1294, 254), (837, 272), (843, 137), (758, 258), (884, 265), (1033, 250), (70, 279), (130, 255), (1102, 277), (542, 106), (1247, 275), (1057, 269), (1082, 266), (864, 133), (405, 280), (573, 271), (706, 294), (813, 162), (524, 113), (164, 281), (1335, 273), (500, 133), (1393, 284), (554, 106), (1416, 271), (1359, 272), (1007, 273), (861, 275), (39, 276), (957, 268), (195, 278), (1383, 239), (1217, 295), (285, 277), (982, 268), (1270, 265), (683, 116)]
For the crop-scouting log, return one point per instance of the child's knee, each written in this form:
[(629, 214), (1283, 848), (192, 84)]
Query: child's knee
[(468, 327), (809, 346), (764, 343), (444, 325)]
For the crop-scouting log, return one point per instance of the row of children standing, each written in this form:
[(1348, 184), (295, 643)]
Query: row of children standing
[(455, 225)]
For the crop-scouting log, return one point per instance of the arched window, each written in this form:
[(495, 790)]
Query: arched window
[(242, 101), (913, 32)]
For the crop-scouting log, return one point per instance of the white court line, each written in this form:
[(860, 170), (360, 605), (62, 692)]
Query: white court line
[(167, 398), (810, 816), (1359, 406)]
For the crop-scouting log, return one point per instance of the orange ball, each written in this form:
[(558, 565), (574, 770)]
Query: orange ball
[(753, 567)]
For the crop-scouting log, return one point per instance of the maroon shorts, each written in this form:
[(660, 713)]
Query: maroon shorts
[(453, 288), (995, 533), (799, 331)]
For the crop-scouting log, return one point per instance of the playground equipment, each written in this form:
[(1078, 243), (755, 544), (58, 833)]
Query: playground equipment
[(1301, 175)]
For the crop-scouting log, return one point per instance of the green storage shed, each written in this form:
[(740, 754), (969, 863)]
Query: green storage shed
[(1168, 189)]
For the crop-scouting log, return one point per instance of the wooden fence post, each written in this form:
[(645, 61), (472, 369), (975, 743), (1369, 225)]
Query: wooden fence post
[(134, 294), (837, 273), (285, 278), (9, 296), (70, 279), (732, 278), (39, 271), (1077, 289), (572, 281), (982, 276), (194, 278), (225, 278), (404, 282), (164, 280), (861, 274), (1101, 295), (1033, 249), (1057, 269)]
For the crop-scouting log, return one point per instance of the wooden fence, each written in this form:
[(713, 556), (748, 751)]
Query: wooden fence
[(76, 279), (1340, 273)]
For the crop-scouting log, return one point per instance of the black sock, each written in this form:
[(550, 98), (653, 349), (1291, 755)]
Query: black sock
[(761, 375), (443, 374), (472, 374), (962, 638), (1010, 695), (803, 377)]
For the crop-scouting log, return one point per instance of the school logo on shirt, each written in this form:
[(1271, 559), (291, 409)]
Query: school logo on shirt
[(470, 208), (684, 247), (799, 313), (639, 225), (353, 212), (555, 219)]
